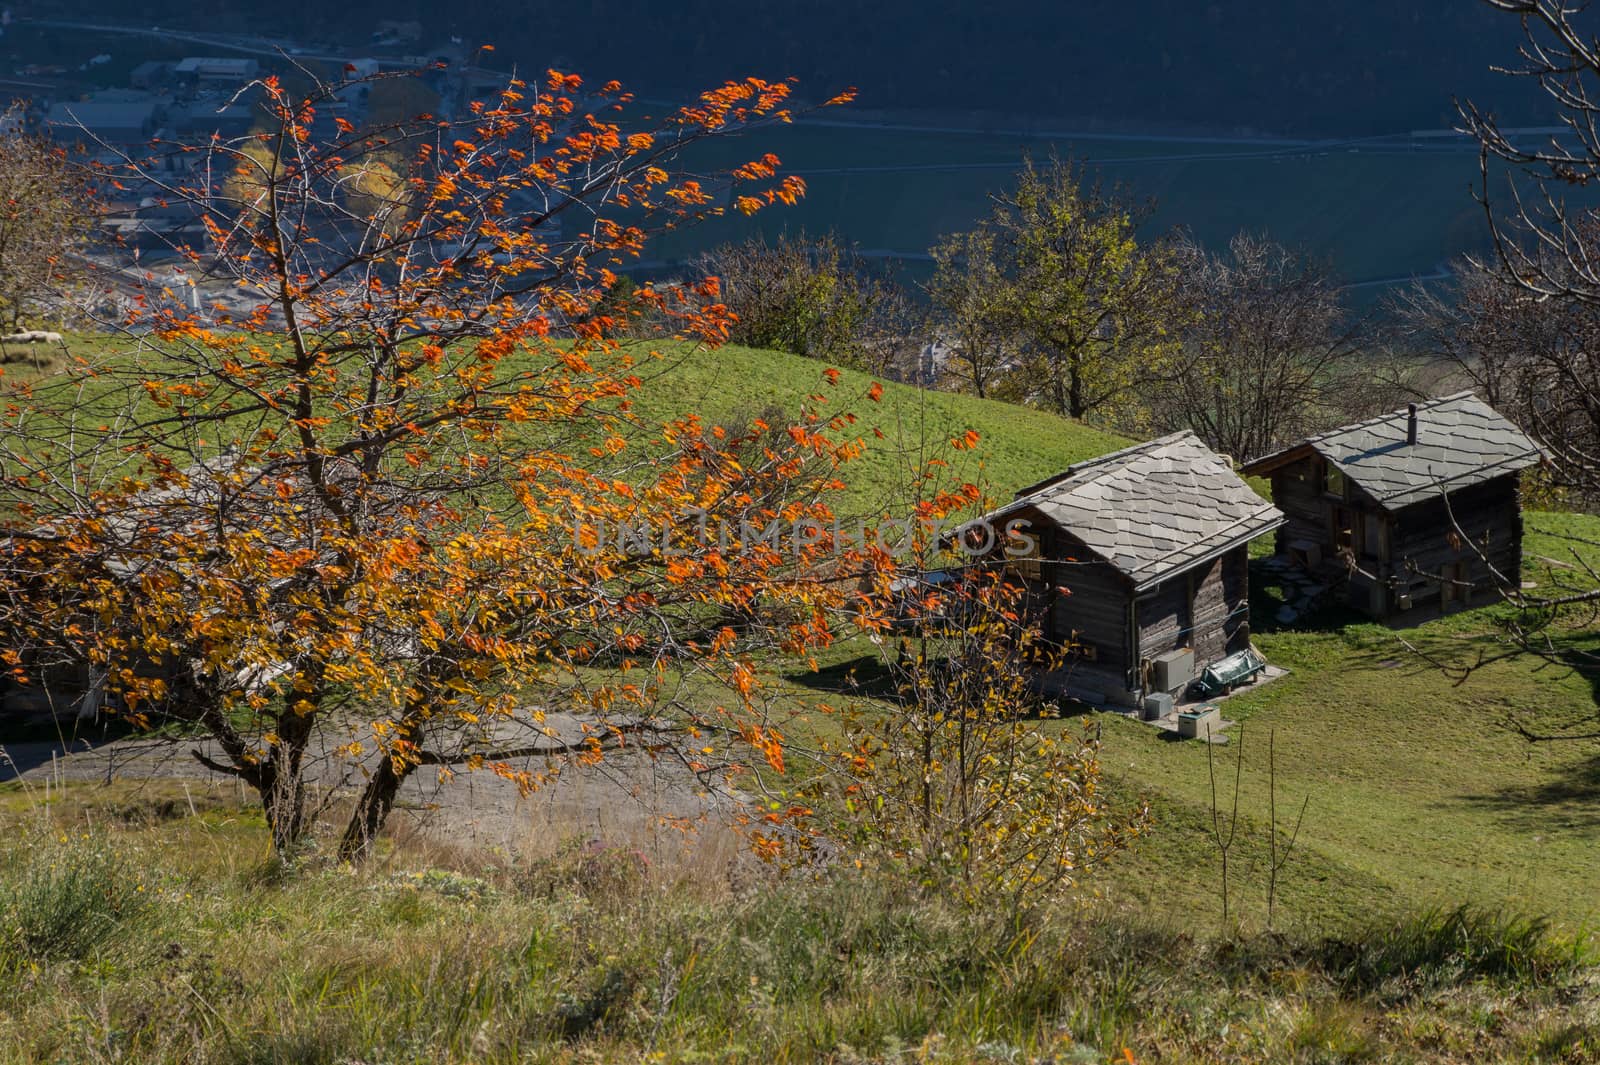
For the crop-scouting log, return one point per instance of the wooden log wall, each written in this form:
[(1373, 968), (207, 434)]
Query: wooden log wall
[(1428, 545)]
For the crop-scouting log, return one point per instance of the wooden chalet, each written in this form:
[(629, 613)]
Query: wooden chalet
[(1136, 562), (1418, 508)]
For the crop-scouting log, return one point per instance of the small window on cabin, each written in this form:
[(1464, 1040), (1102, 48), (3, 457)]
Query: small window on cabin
[(1333, 481)]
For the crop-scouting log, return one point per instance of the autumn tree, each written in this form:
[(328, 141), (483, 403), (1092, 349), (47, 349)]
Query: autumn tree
[(811, 296), (1092, 313), (47, 217), (1270, 353), (376, 514), (960, 776)]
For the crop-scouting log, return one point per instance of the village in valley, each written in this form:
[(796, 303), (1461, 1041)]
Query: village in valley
[(483, 579)]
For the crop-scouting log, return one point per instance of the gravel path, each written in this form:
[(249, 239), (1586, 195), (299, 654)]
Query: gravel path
[(630, 798)]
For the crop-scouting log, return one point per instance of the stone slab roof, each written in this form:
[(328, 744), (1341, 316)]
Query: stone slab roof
[(1151, 510), (1461, 442)]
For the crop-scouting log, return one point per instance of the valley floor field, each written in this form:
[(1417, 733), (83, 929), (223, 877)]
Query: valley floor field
[(1377, 209)]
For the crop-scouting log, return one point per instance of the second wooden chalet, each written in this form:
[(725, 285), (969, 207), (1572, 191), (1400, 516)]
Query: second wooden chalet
[(1417, 508)]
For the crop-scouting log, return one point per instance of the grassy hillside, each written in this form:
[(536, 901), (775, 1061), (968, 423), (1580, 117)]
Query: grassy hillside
[(1420, 791), (1381, 742), (1016, 445), (156, 933), (732, 385)]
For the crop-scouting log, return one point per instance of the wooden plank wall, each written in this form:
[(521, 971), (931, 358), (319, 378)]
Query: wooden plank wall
[(1164, 619), (1095, 604), (1426, 541), (1236, 592), (1297, 491), (1206, 608)]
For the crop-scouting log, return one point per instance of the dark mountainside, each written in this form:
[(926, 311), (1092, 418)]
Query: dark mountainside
[(1294, 67)]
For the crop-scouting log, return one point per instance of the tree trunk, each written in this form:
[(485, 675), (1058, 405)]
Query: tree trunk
[(283, 785), (284, 806), (372, 809), (1075, 386)]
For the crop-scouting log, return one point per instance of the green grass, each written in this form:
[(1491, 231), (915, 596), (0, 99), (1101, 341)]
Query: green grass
[(1017, 445), (440, 957), (1420, 790), (733, 385), (1420, 793), (1434, 908)]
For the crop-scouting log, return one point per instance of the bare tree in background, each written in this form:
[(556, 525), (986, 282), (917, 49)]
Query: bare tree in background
[(1547, 246), (1271, 352), (1536, 360), (1525, 325), (1522, 324), (813, 296)]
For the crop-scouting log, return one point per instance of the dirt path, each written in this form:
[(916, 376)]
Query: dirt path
[(629, 799)]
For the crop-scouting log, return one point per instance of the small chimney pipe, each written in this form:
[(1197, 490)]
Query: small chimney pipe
[(1411, 423)]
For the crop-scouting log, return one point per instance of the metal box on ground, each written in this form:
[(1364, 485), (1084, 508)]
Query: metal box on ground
[(1172, 671), (1199, 722), (1222, 677), (1157, 705)]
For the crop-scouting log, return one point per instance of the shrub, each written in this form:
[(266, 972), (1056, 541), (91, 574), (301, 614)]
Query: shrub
[(1443, 947), (1333, 1033), (66, 898)]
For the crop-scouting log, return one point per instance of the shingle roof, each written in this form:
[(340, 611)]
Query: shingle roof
[(1461, 442), (1154, 509)]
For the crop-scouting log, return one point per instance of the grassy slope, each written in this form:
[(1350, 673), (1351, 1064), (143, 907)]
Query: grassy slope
[(734, 384), (1418, 794), (1418, 789), (1017, 445), (144, 926)]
